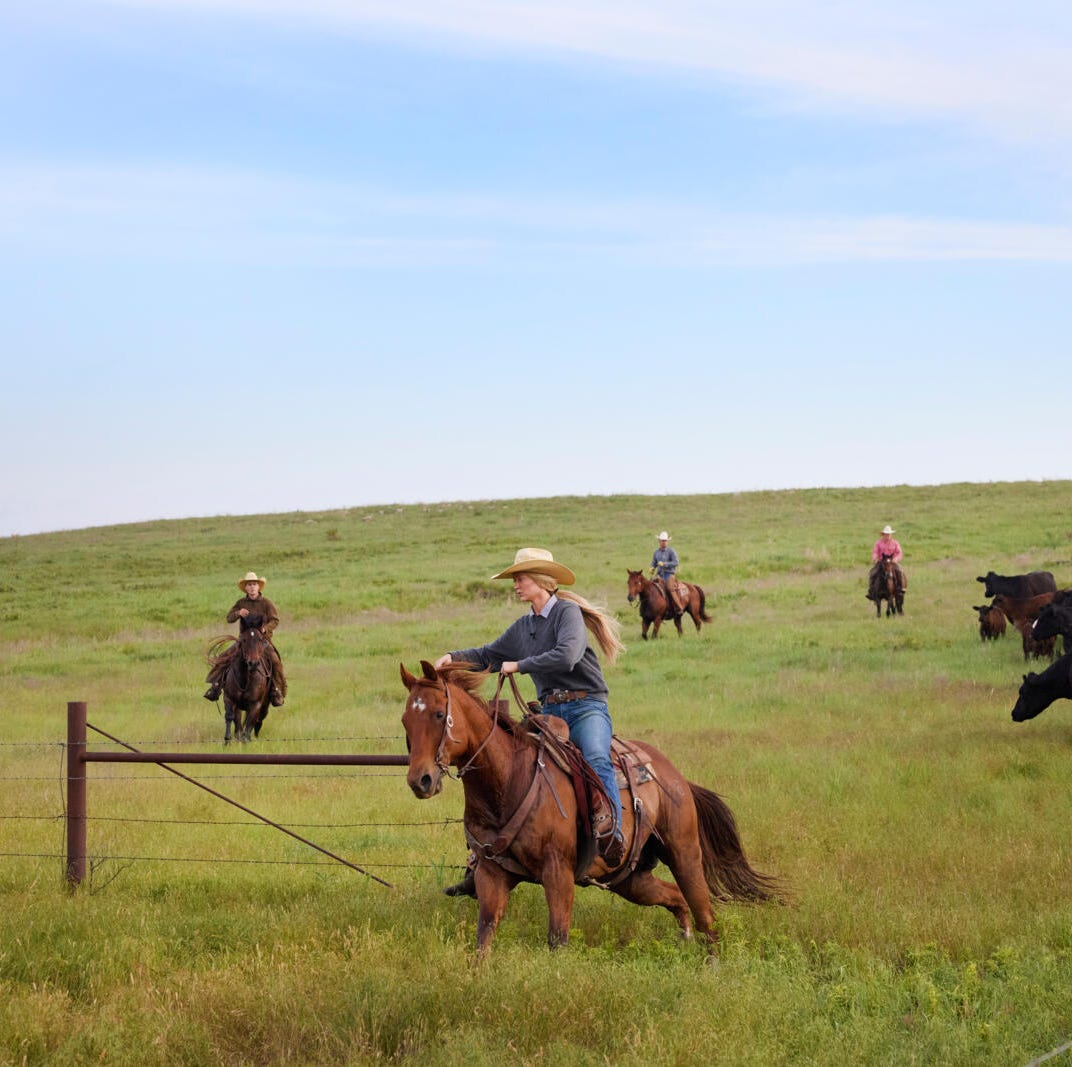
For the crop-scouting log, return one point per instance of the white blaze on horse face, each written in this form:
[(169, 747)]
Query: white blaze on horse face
[(419, 705)]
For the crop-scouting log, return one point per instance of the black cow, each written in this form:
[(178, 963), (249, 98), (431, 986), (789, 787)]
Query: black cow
[(1039, 691), (1055, 618), (1018, 586)]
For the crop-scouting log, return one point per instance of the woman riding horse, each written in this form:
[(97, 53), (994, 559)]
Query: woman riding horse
[(549, 643), (526, 821)]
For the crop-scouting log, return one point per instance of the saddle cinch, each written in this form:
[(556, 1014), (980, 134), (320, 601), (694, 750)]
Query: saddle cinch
[(594, 814)]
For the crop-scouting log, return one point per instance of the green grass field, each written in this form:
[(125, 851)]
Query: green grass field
[(871, 763)]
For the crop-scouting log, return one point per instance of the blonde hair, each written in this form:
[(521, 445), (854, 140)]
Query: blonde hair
[(603, 627)]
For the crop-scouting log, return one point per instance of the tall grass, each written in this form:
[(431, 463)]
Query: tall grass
[(870, 762)]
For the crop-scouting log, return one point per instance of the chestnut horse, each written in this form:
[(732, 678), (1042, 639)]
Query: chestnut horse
[(655, 603), (504, 772), (247, 685)]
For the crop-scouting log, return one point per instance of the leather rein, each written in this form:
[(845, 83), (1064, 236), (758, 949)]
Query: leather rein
[(510, 829), (449, 723)]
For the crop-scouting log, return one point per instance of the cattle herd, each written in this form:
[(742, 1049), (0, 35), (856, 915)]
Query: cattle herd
[(1041, 613)]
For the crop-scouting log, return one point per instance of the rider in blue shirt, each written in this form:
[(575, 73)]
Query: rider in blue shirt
[(664, 566)]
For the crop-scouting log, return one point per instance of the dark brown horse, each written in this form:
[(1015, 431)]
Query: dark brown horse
[(503, 772), (889, 586), (655, 603), (247, 685)]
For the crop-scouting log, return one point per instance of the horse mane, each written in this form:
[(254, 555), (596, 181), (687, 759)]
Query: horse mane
[(469, 678)]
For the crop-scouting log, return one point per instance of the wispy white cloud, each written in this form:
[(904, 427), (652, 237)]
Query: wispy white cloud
[(233, 216), (997, 69)]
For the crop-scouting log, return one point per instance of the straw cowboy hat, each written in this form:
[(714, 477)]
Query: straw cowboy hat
[(251, 577), (887, 529), (537, 561), (664, 536)]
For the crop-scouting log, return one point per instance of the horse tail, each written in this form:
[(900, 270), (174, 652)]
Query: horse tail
[(704, 617), (728, 873)]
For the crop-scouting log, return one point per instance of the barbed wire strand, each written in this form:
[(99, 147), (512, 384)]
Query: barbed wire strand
[(266, 777), (202, 741), (235, 822), (217, 860)]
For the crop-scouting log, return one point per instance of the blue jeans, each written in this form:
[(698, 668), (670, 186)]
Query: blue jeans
[(590, 730)]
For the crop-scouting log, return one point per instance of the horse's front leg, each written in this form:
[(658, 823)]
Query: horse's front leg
[(492, 893), (558, 889), (228, 720)]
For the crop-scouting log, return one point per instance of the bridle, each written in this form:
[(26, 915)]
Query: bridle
[(262, 661), (448, 723)]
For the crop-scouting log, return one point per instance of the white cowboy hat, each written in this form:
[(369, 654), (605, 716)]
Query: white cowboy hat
[(537, 561), (887, 529), (664, 536), (251, 577)]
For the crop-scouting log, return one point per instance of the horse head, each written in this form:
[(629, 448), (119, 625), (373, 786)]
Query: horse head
[(253, 648), (441, 730), (427, 721), (636, 584)]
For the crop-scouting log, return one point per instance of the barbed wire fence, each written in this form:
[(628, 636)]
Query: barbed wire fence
[(58, 817)]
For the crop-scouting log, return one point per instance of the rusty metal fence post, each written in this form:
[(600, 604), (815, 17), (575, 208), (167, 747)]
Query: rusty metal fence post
[(76, 792)]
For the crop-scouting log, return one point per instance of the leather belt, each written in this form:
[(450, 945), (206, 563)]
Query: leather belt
[(564, 696)]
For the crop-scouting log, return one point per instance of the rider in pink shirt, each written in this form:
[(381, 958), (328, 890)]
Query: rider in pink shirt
[(886, 545)]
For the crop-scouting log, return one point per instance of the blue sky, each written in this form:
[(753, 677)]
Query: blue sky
[(375, 252)]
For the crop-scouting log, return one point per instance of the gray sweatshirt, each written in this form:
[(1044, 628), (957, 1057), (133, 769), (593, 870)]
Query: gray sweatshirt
[(554, 650)]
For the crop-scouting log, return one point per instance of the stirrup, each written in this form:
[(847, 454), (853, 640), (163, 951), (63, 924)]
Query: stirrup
[(603, 826)]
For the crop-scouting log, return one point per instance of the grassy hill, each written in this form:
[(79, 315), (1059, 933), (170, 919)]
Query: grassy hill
[(871, 762)]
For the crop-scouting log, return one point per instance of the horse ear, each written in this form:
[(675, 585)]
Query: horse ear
[(408, 680), (429, 671)]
